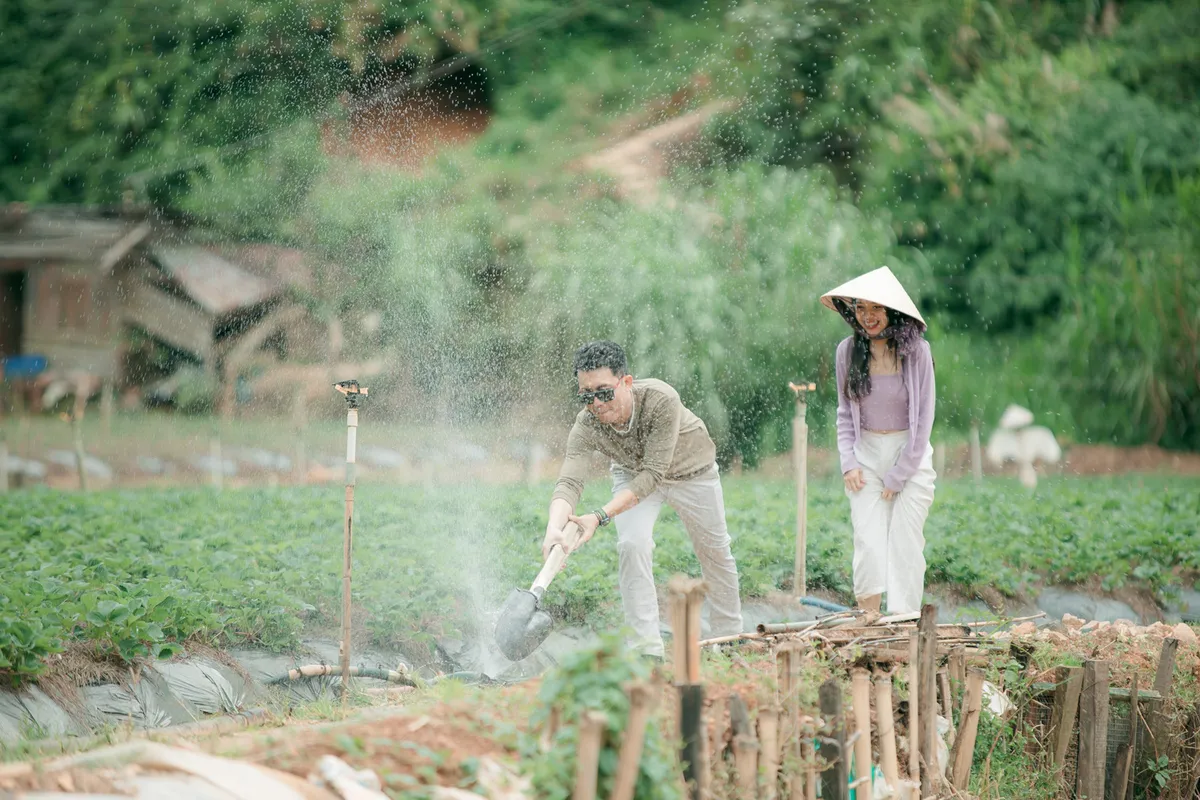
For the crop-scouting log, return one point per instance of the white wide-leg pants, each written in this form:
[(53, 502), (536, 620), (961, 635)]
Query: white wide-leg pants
[(889, 535), (700, 504)]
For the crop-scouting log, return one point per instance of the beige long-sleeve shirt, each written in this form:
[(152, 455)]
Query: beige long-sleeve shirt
[(665, 441)]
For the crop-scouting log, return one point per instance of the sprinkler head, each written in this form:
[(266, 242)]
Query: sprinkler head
[(352, 391)]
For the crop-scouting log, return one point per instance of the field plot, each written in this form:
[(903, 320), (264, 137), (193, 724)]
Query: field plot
[(128, 575)]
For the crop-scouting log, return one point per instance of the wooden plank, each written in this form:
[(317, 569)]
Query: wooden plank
[(176, 322), (964, 744), (1093, 731), (1063, 712), (927, 699), (832, 751)]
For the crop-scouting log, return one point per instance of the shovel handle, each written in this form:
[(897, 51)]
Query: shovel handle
[(554, 561)]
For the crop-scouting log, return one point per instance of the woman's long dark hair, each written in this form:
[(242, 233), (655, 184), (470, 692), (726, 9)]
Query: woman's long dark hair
[(901, 333)]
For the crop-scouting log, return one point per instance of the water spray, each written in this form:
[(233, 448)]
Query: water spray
[(352, 392)]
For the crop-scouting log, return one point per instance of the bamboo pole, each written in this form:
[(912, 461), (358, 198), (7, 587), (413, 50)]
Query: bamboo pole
[(809, 759), (964, 743), (958, 673), (860, 694), (768, 753), (914, 706), (885, 724), (591, 736), (353, 393), (641, 702), (927, 699), (832, 750), (947, 702), (745, 760), (800, 460), (687, 597)]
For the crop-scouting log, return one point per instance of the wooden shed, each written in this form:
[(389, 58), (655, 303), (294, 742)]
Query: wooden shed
[(73, 282)]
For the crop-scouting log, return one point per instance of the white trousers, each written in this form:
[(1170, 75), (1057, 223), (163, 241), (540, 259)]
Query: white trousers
[(700, 504), (889, 535)]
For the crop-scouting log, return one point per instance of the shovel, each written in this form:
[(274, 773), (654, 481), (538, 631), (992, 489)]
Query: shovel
[(522, 626)]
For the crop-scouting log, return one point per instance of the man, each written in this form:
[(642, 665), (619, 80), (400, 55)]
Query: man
[(661, 453)]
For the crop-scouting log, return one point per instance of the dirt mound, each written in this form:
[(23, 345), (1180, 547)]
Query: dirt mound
[(405, 751)]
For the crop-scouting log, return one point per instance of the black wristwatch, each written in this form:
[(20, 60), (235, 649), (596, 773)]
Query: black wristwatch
[(604, 518)]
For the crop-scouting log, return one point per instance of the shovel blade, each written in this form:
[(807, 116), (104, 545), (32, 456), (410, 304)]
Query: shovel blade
[(521, 626)]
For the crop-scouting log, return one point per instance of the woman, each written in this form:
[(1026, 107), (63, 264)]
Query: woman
[(885, 415)]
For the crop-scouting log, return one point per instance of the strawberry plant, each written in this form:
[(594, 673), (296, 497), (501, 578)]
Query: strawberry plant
[(139, 573)]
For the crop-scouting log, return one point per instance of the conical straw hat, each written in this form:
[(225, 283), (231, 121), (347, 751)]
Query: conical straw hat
[(877, 286)]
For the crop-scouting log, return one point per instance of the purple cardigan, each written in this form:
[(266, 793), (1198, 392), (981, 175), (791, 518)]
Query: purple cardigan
[(917, 369)]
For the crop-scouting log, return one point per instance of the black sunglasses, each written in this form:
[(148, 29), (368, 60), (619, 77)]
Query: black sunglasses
[(603, 395)]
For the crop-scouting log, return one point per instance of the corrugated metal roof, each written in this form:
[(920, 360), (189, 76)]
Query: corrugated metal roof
[(216, 284), (59, 235)]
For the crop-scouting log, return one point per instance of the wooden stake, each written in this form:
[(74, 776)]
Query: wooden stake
[(768, 754), (1063, 713), (976, 459), (1154, 745), (695, 601), (691, 724), (832, 751), (958, 674), (3, 461), (927, 699), (885, 725), (216, 467), (800, 462), (914, 705), (860, 692), (107, 405), (679, 643), (687, 596), (1093, 731), (591, 736), (964, 744), (77, 435), (641, 702), (353, 393)]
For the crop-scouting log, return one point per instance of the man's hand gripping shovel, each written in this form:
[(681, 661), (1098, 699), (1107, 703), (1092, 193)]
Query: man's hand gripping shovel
[(522, 626)]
